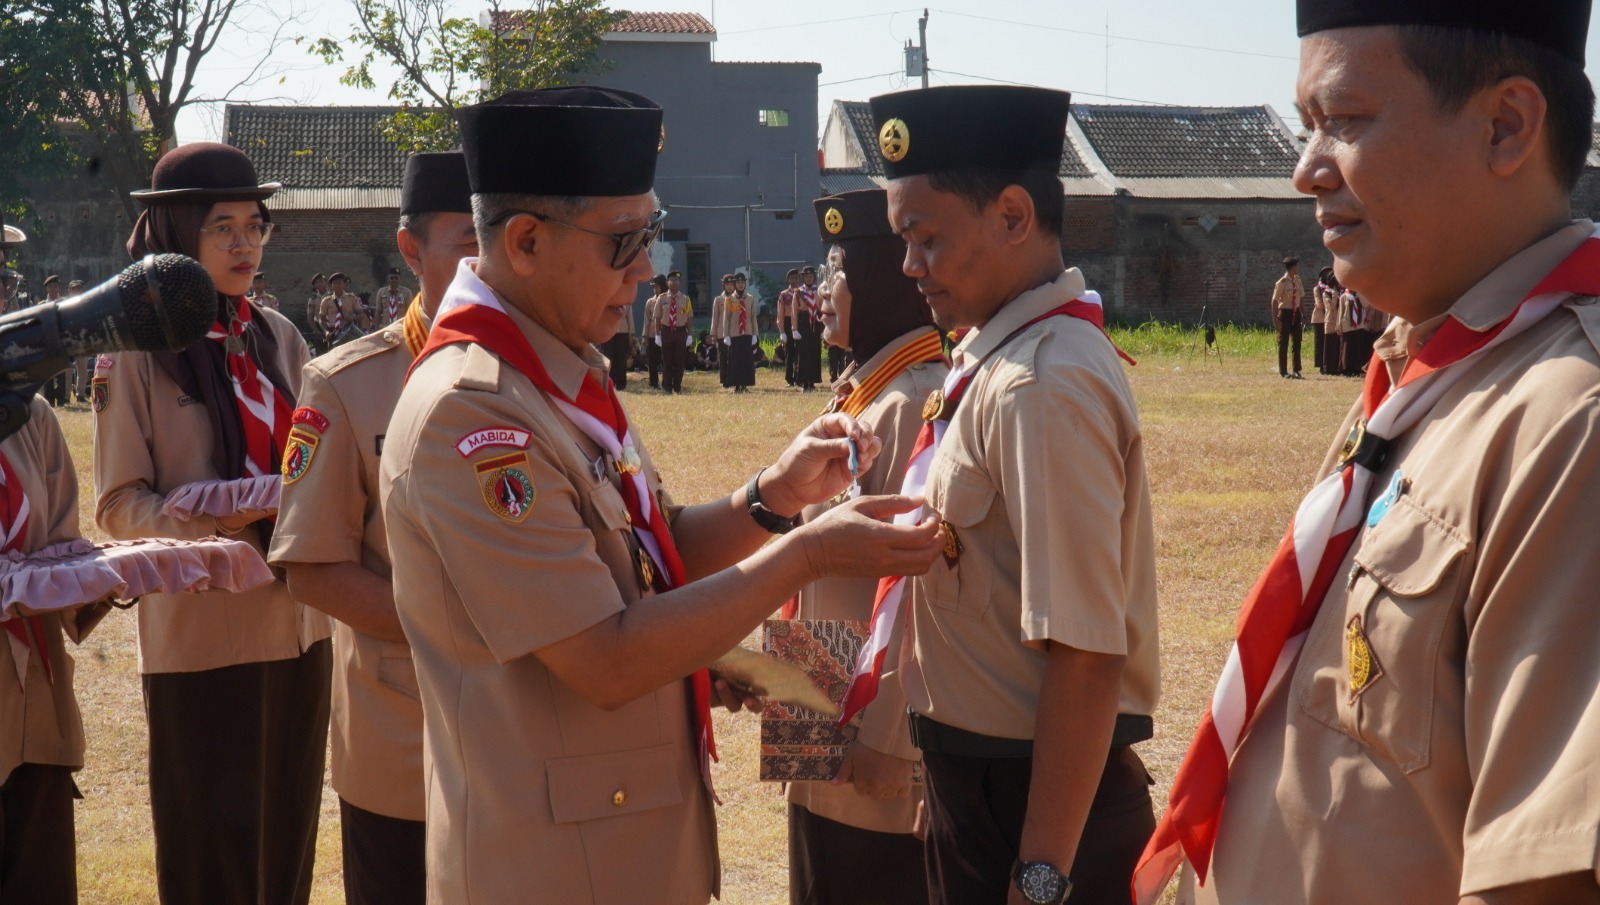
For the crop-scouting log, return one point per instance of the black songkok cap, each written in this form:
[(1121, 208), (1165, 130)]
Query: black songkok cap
[(577, 141), (1561, 25), (853, 215), (436, 183), (960, 127)]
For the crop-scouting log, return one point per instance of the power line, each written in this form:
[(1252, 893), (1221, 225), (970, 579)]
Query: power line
[(860, 78), (1075, 93), (746, 31), (1096, 34)]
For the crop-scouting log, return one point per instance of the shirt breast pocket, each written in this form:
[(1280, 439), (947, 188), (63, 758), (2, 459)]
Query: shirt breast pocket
[(962, 581), (1375, 671)]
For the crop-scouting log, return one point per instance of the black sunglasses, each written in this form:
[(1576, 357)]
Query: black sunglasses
[(629, 244)]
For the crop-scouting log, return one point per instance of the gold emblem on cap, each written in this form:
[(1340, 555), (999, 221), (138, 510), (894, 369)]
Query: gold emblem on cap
[(894, 140), (662, 142), (833, 221)]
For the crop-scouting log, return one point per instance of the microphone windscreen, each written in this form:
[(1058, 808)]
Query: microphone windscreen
[(170, 301)]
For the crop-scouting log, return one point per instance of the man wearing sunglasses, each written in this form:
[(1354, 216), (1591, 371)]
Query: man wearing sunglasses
[(560, 608)]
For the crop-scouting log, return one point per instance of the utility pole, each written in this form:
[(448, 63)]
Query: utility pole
[(922, 39)]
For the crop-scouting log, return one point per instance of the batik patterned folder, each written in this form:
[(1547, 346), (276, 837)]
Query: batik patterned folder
[(798, 744)]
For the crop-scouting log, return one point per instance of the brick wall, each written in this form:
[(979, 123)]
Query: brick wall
[(358, 242)]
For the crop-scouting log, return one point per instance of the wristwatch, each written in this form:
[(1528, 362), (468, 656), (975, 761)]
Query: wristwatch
[(770, 521), (1041, 883)]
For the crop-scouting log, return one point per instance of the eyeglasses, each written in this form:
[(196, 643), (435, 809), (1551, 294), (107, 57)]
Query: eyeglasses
[(629, 244), (228, 237)]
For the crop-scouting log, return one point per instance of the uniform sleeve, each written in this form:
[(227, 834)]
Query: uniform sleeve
[(1061, 441), (322, 514), (1532, 717), (526, 581), (127, 505), (61, 504)]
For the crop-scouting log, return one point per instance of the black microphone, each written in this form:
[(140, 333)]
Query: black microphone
[(162, 303)]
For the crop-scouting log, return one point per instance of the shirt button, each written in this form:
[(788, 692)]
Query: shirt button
[(389, 337), (619, 798)]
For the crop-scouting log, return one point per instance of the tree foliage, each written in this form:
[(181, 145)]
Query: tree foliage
[(447, 62)]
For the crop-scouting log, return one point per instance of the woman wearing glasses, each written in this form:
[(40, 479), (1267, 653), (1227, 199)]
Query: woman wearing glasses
[(235, 684)]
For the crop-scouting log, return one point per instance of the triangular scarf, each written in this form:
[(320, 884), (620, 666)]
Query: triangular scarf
[(1284, 601), (15, 509), (391, 305), (471, 314), (936, 417), (263, 412)]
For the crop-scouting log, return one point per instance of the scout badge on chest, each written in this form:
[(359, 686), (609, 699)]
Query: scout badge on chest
[(506, 488), (952, 545), (1361, 662)]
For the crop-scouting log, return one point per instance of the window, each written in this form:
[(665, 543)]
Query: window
[(776, 118)]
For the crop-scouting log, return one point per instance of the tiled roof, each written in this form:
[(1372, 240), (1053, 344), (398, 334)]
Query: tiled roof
[(1188, 142), (859, 115), (836, 180), (317, 147), (632, 23)]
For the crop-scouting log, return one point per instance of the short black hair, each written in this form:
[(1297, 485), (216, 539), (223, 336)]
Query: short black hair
[(1457, 63), (982, 187)]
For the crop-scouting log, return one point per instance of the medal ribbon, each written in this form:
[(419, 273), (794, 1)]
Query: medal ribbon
[(886, 605), (1281, 606), (263, 413), (15, 508), (598, 413), (414, 327)]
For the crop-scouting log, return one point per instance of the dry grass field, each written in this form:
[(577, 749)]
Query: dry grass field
[(1230, 449)]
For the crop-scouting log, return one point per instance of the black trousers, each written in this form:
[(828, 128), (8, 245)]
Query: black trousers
[(1318, 340), (619, 349), (384, 858), (837, 359), (652, 360), (788, 356), (832, 863), (975, 809), (674, 355), (236, 762), (1288, 334), (38, 855)]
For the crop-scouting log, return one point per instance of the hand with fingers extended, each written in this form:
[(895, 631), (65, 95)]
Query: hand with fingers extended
[(858, 539)]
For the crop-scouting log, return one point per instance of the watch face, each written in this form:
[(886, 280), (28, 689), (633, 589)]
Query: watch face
[(1040, 882)]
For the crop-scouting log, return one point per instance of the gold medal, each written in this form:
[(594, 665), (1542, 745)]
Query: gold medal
[(952, 545), (647, 569), (629, 462), (934, 407), (1362, 663)]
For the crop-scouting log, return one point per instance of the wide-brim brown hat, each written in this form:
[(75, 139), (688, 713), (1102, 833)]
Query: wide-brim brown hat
[(9, 235), (205, 171)]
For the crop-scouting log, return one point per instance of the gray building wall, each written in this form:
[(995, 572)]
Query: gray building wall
[(739, 193)]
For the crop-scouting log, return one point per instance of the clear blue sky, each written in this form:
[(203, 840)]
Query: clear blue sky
[(1206, 53)]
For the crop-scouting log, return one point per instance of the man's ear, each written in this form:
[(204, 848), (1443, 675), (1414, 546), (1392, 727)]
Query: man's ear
[(519, 242), (410, 249), (1015, 208), (1515, 108)]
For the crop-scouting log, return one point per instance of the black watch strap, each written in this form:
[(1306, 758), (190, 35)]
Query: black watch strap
[(769, 521), (1040, 883)]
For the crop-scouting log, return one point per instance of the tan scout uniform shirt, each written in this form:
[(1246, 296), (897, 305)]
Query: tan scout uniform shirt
[(895, 417), (532, 793), (381, 299), (42, 725), (149, 440), (349, 304), (664, 311), (1287, 294), (1042, 475), (652, 322), (330, 514), (725, 320), (266, 300), (714, 332), (1470, 758)]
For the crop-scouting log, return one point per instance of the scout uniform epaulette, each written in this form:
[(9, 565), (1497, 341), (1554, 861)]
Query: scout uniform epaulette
[(480, 370), (341, 357)]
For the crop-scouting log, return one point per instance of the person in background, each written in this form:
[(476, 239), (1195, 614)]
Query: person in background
[(1319, 318), (235, 684), (805, 327), (1288, 311), (652, 329), (850, 840), (391, 301), (330, 543), (738, 333), (258, 293), (83, 372), (58, 389), (674, 311), (787, 300)]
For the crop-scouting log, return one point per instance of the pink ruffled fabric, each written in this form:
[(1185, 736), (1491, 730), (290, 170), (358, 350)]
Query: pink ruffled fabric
[(223, 498), (65, 575)]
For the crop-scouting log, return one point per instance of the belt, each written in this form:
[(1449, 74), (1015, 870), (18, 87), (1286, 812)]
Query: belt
[(940, 738)]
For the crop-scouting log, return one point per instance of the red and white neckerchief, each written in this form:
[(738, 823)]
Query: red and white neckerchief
[(392, 298), (470, 313), (1281, 606), (23, 632), (263, 412), (744, 312), (338, 315), (672, 309), (886, 606), (809, 295)]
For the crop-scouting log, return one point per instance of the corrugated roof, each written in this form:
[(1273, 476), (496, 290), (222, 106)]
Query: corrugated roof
[(1188, 141), (631, 23), (835, 181), (335, 199), (1085, 187), (317, 147), (1230, 187)]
